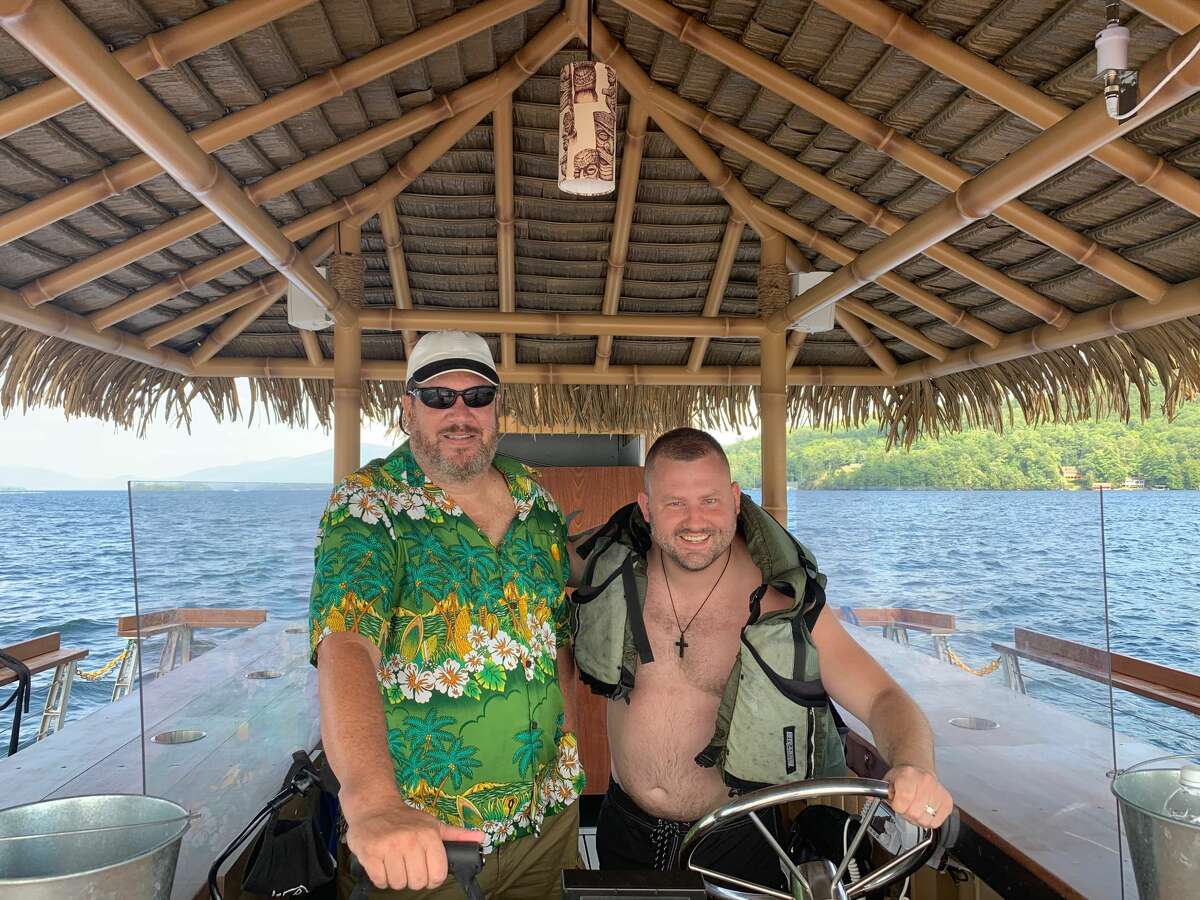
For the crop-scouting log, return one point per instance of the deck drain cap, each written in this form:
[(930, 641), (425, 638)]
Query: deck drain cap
[(178, 736), (974, 723)]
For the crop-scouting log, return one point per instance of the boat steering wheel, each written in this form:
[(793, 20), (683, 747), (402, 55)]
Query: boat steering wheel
[(819, 880)]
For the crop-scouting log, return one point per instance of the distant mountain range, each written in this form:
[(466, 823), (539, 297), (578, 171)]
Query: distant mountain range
[(315, 468)]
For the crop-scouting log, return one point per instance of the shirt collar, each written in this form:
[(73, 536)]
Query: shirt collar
[(403, 464)]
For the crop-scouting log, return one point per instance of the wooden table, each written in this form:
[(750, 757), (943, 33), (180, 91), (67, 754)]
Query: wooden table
[(252, 726), (1036, 787)]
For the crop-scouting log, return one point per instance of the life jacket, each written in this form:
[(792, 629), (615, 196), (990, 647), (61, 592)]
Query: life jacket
[(775, 723)]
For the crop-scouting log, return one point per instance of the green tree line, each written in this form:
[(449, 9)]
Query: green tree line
[(1164, 453)]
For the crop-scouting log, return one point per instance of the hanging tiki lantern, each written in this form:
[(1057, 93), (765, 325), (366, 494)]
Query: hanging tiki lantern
[(587, 129)]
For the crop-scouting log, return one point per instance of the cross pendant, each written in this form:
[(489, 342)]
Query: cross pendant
[(681, 644)]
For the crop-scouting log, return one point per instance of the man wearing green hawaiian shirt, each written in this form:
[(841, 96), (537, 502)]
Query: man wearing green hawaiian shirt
[(439, 626)]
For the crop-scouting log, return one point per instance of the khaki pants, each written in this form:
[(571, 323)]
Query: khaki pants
[(525, 869)]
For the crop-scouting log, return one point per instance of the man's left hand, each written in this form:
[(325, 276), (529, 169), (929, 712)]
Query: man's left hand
[(917, 796)]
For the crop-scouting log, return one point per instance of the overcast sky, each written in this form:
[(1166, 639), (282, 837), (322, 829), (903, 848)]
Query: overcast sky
[(88, 448)]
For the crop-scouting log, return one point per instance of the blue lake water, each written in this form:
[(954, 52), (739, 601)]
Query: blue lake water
[(996, 560)]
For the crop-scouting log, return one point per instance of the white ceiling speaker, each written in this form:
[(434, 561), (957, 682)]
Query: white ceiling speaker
[(821, 318), (303, 309)]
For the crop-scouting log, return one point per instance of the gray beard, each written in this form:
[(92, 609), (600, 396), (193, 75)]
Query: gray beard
[(435, 463)]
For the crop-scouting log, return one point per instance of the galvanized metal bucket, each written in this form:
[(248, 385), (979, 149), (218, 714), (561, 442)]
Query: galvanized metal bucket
[(106, 847), (1165, 850)]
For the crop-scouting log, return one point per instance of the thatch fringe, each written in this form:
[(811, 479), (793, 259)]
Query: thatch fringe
[(1089, 380)]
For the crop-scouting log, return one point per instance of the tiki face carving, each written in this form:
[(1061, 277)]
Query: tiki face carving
[(583, 79)]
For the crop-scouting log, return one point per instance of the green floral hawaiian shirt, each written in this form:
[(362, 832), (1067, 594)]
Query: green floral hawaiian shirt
[(469, 635)]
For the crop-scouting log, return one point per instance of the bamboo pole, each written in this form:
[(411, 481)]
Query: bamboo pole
[(618, 245), (542, 373), (1178, 15), (58, 323), (154, 53), (870, 344), (346, 270), (246, 315), (638, 83), (730, 241), (328, 85), (491, 321), (1052, 151), (878, 217), (1122, 317), (312, 347), (773, 292), (274, 285), (480, 94), (795, 344), (393, 243), (60, 41), (506, 235), (839, 114), (865, 311), (1010, 93)]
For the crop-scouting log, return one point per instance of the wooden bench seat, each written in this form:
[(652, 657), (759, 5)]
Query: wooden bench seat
[(1137, 676), (43, 654)]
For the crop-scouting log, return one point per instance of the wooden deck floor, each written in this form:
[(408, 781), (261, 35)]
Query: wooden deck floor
[(1037, 785), (252, 726)]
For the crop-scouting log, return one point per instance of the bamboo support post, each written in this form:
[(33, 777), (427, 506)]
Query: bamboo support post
[(731, 240), (618, 245), (346, 271), (362, 205), (154, 53), (506, 234), (491, 321), (795, 344), (53, 34), (1085, 251), (638, 83), (1010, 93), (773, 292), (393, 247), (314, 91), (1050, 152)]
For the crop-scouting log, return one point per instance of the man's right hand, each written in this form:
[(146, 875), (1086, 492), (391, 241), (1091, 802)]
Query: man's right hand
[(400, 847)]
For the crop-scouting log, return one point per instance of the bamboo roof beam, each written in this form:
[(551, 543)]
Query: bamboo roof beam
[(329, 85), (59, 323), (918, 297), (896, 29), (618, 245), (730, 241), (312, 347), (839, 114), (491, 321), (159, 237), (1052, 151), (893, 326), (715, 129), (393, 248), (544, 373), (631, 74), (52, 33), (481, 94), (154, 53), (871, 345), (1178, 15), (276, 285), (506, 228), (795, 344)]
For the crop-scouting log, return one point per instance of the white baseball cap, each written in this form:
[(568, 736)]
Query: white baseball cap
[(438, 352)]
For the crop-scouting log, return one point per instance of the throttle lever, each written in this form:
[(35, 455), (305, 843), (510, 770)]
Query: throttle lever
[(465, 861)]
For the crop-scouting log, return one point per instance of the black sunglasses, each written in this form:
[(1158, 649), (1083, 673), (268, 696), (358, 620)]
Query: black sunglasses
[(444, 397)]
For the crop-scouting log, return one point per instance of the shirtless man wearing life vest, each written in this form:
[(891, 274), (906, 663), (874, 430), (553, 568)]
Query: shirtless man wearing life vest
[(698, 575)]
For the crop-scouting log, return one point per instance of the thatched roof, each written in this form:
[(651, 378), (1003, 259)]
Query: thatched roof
[(565, 257)]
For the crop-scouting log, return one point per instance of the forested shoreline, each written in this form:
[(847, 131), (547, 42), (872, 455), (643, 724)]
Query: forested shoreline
[(1164, 453)]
